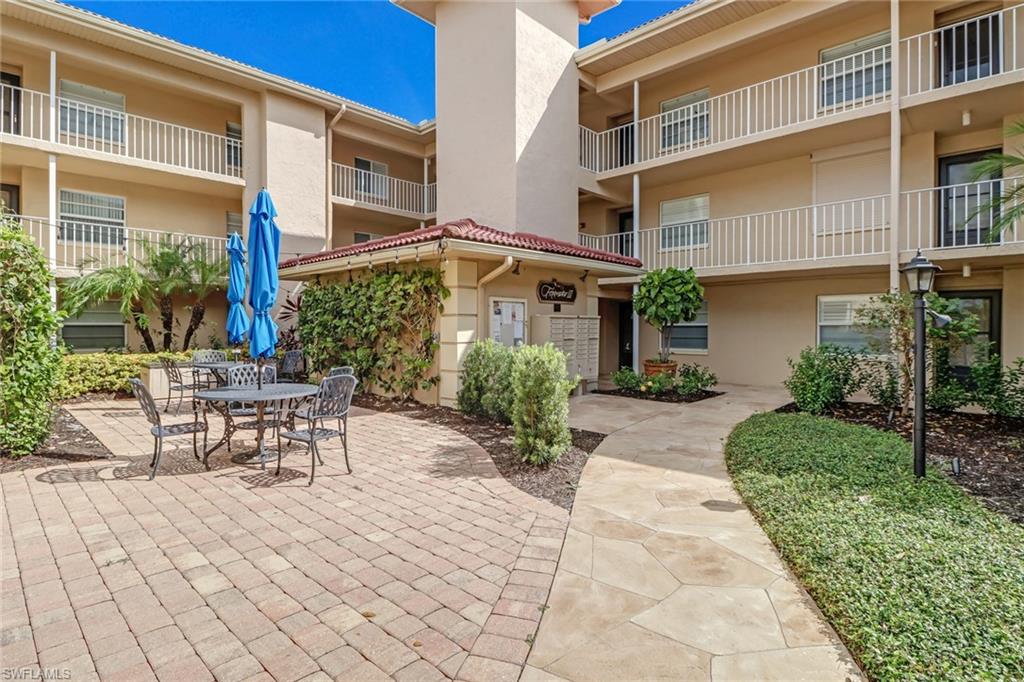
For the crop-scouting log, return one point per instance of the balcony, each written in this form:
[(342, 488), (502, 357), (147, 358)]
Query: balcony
[(959, 217), (380, 192), (83, 247), (820, 92), (26, 114)]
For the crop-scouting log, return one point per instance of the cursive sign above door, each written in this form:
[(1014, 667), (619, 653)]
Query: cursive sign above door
[(553, 291)]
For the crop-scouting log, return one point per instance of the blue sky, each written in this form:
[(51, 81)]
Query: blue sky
[(368, 51)]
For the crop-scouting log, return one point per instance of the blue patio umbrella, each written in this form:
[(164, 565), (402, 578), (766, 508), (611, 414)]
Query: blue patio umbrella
[(264, 252), (238, 321)]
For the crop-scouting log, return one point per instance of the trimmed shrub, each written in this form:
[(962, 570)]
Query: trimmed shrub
[(106, 372), (694, 378), (29, 359), (487, 381), (822, 378), (881, 379), (656, 384), (945, 392), (626, 379), (540, 405), (999, 390)]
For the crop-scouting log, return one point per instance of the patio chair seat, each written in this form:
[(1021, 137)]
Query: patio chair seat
[(165, 430), (307, 435)]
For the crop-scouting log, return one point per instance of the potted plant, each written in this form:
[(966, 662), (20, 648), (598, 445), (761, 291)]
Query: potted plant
[(664, 298)]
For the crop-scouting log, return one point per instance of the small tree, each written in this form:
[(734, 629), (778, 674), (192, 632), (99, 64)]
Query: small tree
[(1006, 207), (166, 266), (540, 403), (207, 274), (667, 297), (123, 282)]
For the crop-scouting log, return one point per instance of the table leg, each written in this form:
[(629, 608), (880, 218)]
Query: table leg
[(259, 434)]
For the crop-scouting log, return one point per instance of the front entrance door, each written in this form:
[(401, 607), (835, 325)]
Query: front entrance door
[(10, 198), (625, 334), (625, 240), (10, 84), (986, 306)]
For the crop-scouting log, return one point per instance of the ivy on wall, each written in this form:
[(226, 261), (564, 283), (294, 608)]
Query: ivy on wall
[(380, 322)]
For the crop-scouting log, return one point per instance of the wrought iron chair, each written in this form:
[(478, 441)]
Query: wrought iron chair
[(206, 378), (161, 431), (341, 371), (292, 366), (332, 401), (176, 383)]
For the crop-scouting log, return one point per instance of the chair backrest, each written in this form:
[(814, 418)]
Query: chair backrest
[(172, 370), (345, 370), (291, 361), (146, 401), (245, 375), (209, 356), (334, 397)]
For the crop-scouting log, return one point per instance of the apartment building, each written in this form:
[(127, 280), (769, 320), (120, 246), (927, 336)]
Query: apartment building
[(794, 153)]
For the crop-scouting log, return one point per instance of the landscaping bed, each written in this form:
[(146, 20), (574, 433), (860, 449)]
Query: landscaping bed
[(68, 441), (665, 397), (555, 482), (920, 580), (991, 449)]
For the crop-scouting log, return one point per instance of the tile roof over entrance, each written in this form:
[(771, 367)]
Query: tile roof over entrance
[(465, 230)]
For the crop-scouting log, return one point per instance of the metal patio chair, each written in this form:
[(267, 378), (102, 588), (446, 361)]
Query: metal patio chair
[(292, 366), (332, 401), (243, 415), (176, 383), (161, 431), (207, 378), (341, 371)]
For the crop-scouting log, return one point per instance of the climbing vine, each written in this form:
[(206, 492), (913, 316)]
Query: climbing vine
[(381, 323)]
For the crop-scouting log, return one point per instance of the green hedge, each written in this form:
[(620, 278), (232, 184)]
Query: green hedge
[(106, 372), (487, 381), (919, 579), (540, 403)]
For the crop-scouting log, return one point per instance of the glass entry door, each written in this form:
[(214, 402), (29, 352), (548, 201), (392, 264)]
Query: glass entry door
[(965, 217), (11, 96), (985, 305)]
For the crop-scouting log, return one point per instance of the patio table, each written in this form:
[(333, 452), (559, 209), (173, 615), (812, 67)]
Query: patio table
[(220, 398), (219, 368)]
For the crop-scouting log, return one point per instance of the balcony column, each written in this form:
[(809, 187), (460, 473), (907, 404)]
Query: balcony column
[(53, 95), (636, 254), (426, 189), (895, 145), (636, 131), (52, 218)]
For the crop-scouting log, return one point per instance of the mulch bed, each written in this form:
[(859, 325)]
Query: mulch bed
[(991, 450), (555, 482), (69, 441), (666, 397)]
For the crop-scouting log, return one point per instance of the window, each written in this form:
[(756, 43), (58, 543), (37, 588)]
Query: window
[(684, 120), (98, 328), (690, 337), (855, 70), (836, 315), (684, 222), (10, 199), (966, 216), (233, 151), (971, 49), (371, 177), (91, 112), (987, 307), (91, 218), (233, 223), (508, 321), (361, 237)]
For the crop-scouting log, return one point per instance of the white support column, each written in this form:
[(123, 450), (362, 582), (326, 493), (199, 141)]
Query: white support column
[(53, 95), (52, 218), (426, 190), (895, 146), (636, 126), (636, 254)]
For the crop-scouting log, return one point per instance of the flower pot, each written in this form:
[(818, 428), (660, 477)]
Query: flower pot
[(652, 367)]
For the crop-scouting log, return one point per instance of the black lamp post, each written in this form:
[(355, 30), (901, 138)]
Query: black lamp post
[(920, 273)]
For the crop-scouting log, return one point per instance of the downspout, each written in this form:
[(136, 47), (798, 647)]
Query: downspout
[(481, 283)]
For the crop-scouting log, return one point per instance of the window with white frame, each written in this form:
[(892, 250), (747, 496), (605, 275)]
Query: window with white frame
[(684, 120), (232, 223), (90, 112), (233, 150), (371, 177), (362, 237), (837, 324), (101, 327), (855, 70), (91, 218), (691, 337), (684, 222)]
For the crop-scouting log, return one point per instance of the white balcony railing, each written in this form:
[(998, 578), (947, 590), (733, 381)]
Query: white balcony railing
[(26, 113), (838, 86), (958, 216), (858, 227), (84, 247), (970, 50), (384, 191)]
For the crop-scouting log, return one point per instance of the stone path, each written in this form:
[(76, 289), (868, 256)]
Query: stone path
[(664, 573), (423, 564)]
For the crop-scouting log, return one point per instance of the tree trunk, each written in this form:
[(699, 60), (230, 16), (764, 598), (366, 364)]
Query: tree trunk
[(147, 338), (167, 318), (198, 311)]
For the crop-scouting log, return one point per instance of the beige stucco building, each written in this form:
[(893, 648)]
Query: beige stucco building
[(795, 154)]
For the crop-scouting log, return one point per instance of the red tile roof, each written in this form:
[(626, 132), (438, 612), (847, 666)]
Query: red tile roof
[(466, 230)]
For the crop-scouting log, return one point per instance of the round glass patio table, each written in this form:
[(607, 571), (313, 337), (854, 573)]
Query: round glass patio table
[(220, 398)]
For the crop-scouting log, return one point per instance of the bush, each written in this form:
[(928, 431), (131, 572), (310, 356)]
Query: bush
[(918, 578), (540, 405), (626, 379), (999, 390), (106, 372), (29, 359), (822, 378), (487, 381), (694, 378), (881, 380), (945, 392), (656, 384)]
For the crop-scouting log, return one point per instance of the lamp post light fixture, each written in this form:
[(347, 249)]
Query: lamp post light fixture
[(920, 273)]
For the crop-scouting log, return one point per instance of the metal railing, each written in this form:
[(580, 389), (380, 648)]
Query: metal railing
[(86, 246), (857, 227), (26, 113), (966, 51), (823, 90), (385, 191), (957, 216)]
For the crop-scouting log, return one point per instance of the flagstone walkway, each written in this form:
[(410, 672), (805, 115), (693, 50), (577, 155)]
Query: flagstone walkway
[(664, 573)]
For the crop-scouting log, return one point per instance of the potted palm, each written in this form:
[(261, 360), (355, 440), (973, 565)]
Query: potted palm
[(664, 298)]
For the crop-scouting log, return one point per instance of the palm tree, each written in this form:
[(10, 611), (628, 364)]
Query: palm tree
[(124, 282), (207, 275), (167, 269), (1007, 208)]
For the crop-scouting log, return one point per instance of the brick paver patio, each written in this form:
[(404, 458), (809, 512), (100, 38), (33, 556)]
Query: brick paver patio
[(423, 564)]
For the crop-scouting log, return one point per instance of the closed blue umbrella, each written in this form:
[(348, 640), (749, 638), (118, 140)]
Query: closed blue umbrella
[(238, 321), (264, 252)]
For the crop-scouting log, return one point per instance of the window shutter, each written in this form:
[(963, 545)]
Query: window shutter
[(687, 210), (88, 94), (834, 312), (855, 46), (684, 100)]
